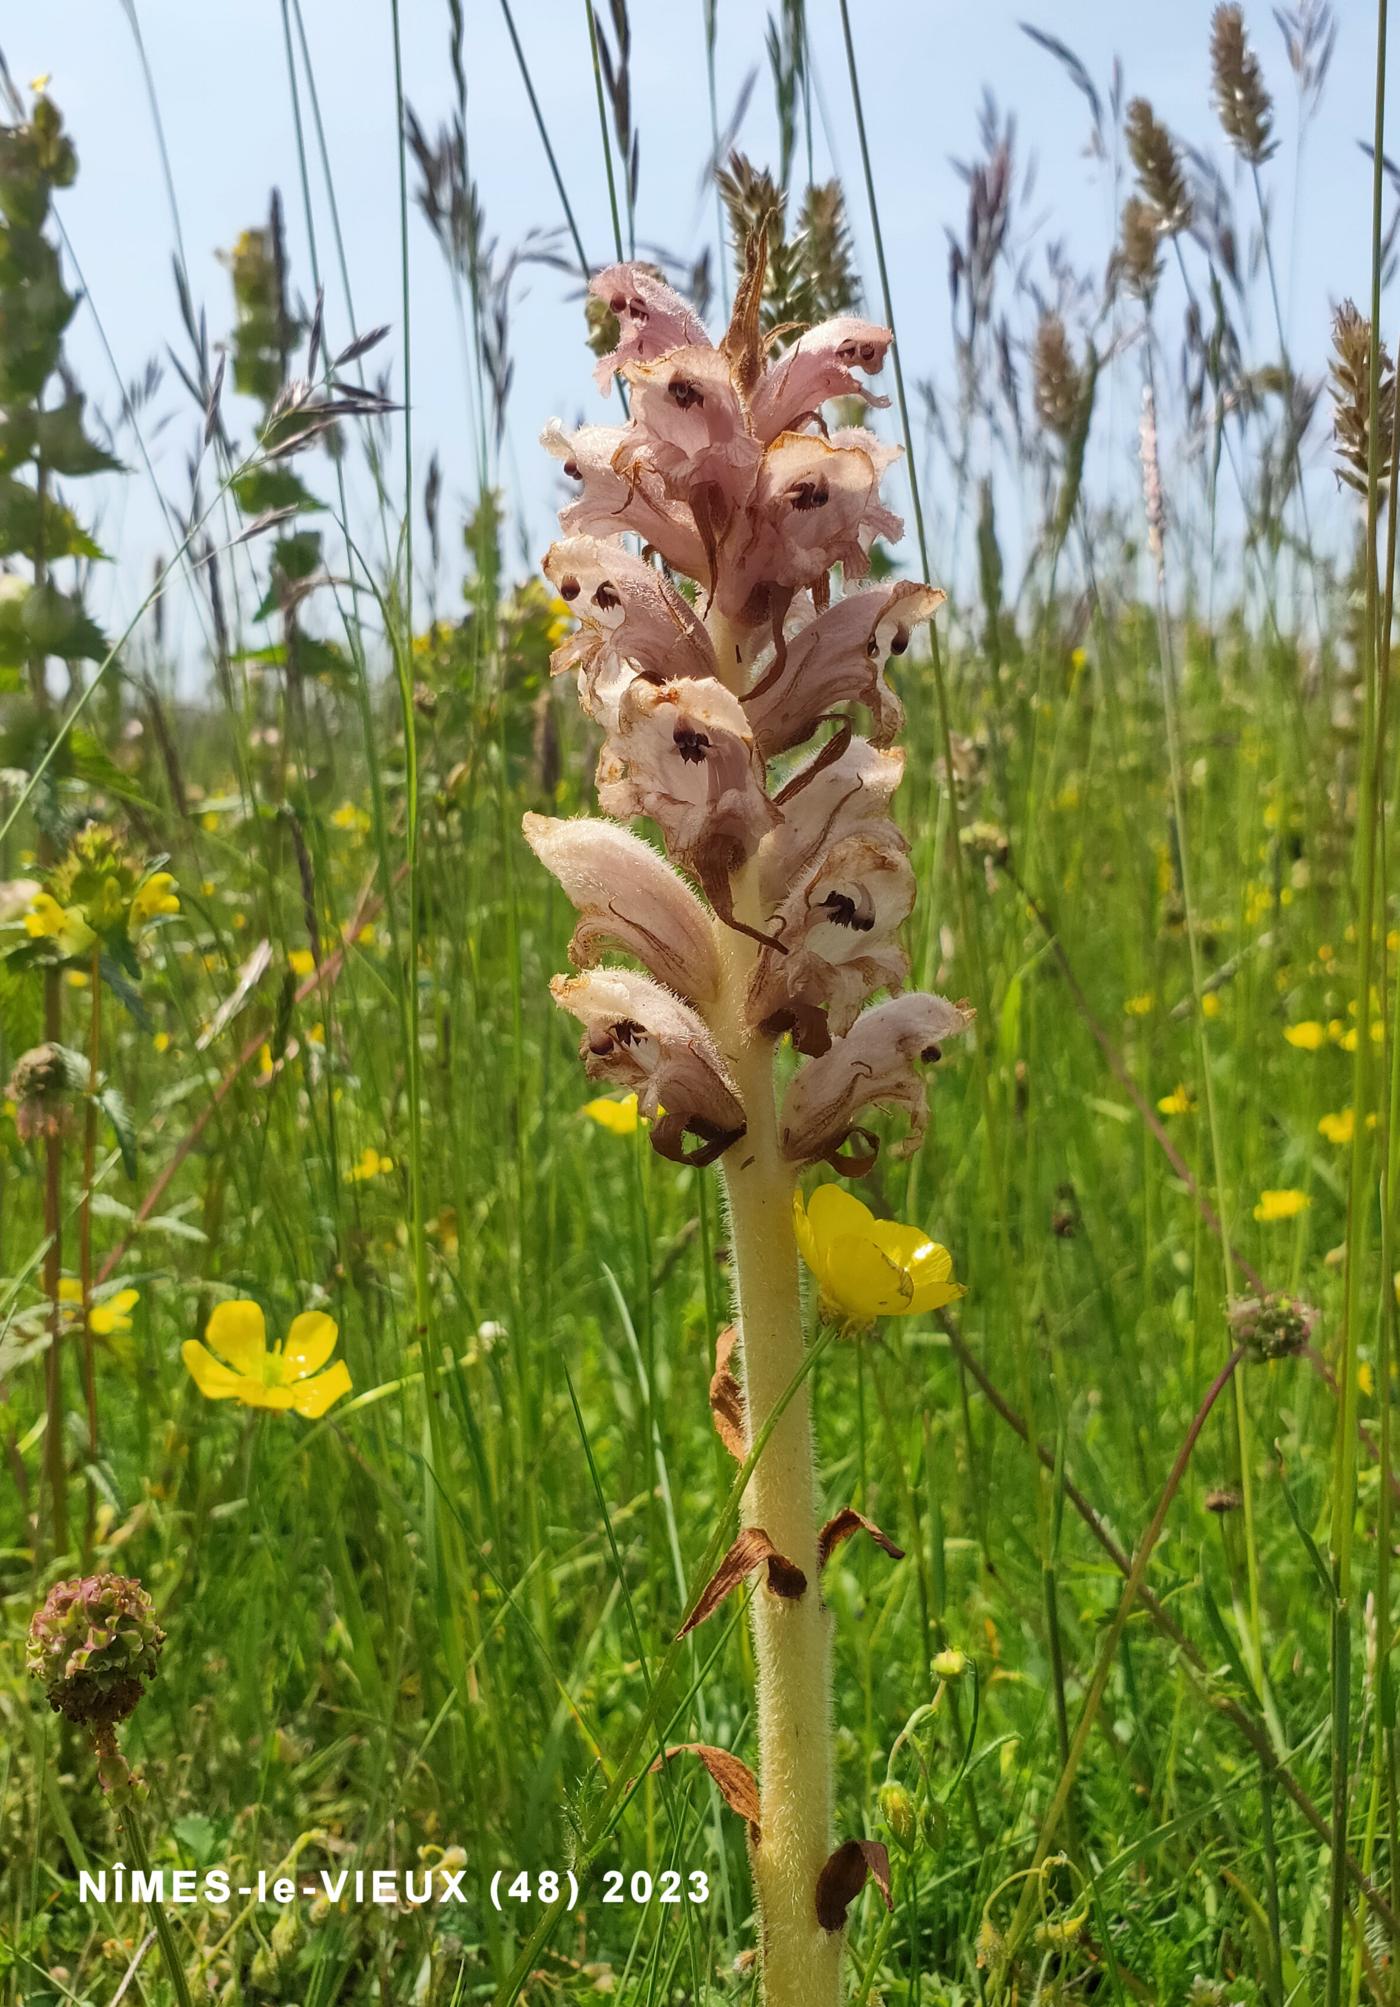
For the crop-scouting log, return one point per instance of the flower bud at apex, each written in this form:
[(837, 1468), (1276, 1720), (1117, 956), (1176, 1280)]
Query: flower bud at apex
[(41, 1086), (951, 1665), (1273, 1327), (95, 1644), (900, 1814), (285, 1935), (262, 1973)]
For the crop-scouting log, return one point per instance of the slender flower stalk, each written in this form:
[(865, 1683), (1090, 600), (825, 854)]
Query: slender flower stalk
[(95, 1646), (708, 700)]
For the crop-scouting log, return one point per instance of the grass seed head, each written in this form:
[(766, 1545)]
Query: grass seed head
[(1158, 163), (1139, 255), (1351, 399), (1057, 377), (1241, 98)]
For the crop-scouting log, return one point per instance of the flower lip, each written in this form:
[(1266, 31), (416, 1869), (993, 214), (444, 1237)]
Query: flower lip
[(873, 1064)]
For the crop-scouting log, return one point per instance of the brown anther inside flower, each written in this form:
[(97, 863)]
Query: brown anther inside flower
[(606, 596), (809, 495), (627, 1031), (691, 745), (572, 470), (684, 393), (568, 588)]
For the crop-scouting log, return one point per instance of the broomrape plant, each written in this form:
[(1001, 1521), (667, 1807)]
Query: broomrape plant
[(727, 473)]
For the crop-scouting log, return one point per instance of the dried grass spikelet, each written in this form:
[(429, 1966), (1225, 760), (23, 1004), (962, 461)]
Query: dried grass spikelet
[(1245, 107), (1154, 155), (1351, 399), (1057, 378), (1138, 257)]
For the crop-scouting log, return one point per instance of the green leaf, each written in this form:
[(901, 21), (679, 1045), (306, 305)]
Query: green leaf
[(27, 528), (272, 487), (64, 447), (294, 559), (118, 1114), (89, 761), (55, 623)]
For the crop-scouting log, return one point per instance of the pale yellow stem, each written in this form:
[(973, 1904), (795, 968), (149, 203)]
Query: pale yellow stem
[(792, 1638)]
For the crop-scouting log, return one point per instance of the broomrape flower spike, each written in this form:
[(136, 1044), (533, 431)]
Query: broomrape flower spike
[(236, 1364), (772, 906)]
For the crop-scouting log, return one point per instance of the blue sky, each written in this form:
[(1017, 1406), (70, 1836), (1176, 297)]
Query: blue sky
[(220, 73)]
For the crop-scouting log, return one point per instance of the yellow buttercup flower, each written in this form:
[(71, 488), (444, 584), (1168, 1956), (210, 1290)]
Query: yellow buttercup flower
[(301, 961), (237, 1365), (869, 1267), (369, 1164), (1281, 1205), (1338, 1128), (153, 898), (1178, 1102), (46, 920), (1140, 1006), (110, 1318), (349, 816), (1210, 1004), (619, 1118), (1309, 1036)]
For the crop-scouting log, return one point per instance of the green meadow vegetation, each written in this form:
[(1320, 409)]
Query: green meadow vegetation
[(345, 1314)]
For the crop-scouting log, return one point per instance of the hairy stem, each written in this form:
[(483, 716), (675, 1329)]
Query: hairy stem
[(85, 1245), (792, 1637)]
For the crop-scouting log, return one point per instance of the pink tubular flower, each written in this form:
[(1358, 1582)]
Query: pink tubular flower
[(637, 1035), (629, 897), (876, 1064), (650, 317), (632, 620), (729, 477)]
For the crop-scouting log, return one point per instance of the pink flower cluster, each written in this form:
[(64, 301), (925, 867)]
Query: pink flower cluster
[(726, 472)]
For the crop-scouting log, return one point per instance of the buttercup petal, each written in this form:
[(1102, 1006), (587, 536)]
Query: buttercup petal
[(834, 1211), (862, 1279), (309, 1343), (214, 1380), (805, 1235), (312, 1397), (237, 1331)]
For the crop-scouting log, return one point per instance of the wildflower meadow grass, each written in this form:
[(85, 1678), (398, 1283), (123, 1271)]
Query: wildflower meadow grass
[(878, 1485)]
